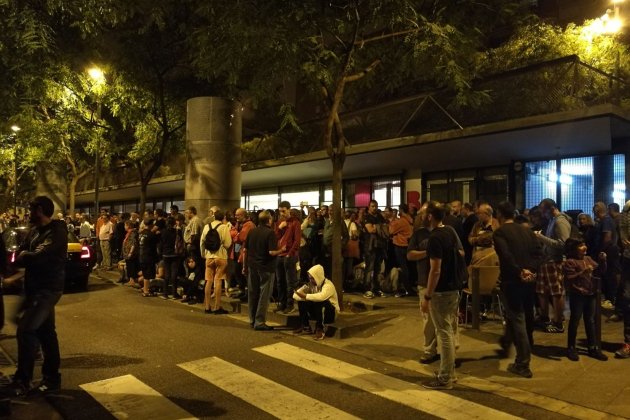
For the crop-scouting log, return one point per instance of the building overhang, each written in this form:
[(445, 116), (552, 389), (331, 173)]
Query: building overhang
[(570, 133)]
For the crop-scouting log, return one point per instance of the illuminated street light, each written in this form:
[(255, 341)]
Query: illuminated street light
[(97, 75)]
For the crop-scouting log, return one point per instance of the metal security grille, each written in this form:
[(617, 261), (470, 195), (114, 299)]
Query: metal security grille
[(540, 182)]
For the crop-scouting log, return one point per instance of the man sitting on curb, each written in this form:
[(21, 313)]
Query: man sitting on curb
[(317, 300)]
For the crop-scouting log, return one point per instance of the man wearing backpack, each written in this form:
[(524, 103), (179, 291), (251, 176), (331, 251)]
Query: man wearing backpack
[(215, 241), (375, 249), (442, 293)]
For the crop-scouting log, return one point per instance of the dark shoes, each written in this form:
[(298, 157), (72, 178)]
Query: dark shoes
[(263, 327), (429, 358), (572, 354), (437, 384), (554, 328), (45, 387), (523, 371), (596, 353), (220, 311), (15, 389), (303, 331)]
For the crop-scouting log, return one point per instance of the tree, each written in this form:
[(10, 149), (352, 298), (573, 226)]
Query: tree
[(347, 53), (143, 45)]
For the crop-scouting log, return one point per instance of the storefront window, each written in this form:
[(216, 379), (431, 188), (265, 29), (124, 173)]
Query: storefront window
[(581, 181)]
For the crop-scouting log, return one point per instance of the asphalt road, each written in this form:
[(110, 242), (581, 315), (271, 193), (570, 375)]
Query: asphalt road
[(169, 348)]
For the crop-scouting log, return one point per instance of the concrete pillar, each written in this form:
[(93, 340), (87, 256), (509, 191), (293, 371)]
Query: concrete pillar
[(213, 154), (52, 182)]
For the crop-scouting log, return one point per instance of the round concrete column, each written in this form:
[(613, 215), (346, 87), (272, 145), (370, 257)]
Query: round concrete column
[(213, 154), (51, 182)]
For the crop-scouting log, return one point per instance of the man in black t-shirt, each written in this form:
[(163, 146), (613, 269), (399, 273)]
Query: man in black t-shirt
[(259, 254), (417, 251), (442, 294)]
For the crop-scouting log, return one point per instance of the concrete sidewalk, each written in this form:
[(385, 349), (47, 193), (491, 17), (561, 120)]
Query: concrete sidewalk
[(586, 389)]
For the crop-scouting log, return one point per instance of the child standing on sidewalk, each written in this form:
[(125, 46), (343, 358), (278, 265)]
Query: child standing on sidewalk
[(582, 289)]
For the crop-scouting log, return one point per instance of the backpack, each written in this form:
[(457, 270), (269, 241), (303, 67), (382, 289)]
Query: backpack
[(180, 247), (212, 242)]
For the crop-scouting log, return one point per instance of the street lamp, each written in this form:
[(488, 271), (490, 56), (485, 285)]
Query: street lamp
[(610, 23), (98, 79), (15, 130)]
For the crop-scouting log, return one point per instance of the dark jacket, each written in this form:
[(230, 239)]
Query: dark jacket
[(148, 247), (46, 252), (169, 235), (518, 248)]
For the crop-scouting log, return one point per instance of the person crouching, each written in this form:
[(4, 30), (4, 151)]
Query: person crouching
[(317, 300)]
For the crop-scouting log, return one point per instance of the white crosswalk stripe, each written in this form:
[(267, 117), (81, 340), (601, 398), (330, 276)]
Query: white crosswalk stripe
[(126, 397), (440, 404), (261, 392)]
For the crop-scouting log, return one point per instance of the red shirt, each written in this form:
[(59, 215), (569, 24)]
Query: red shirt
[(289, 236)]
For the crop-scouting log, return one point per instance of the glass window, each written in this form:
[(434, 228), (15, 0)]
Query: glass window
[(540, 182), (264, 199), (298, 194), (387, 192), (576, 184), (328, 195), (581, 180), (619, 174)]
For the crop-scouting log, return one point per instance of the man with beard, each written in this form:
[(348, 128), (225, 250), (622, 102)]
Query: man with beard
[(43, 255)]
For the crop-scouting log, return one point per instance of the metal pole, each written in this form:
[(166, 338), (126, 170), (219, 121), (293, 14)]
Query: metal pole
[(97, 163), (15, 179)]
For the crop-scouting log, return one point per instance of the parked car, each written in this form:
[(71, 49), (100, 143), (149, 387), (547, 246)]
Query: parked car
[(81, 259)]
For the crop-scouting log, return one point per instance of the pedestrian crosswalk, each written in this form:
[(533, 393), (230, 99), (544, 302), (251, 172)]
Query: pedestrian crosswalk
[(127, 397), (260, 391), (439, 404)]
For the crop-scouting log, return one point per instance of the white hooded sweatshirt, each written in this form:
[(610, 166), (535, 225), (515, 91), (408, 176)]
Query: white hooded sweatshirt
[(324, 290)]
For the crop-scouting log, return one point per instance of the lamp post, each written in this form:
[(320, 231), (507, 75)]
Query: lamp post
[(15, 130), (98, 78)]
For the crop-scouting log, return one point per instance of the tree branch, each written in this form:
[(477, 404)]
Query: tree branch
[(381, 37), (361, 74)]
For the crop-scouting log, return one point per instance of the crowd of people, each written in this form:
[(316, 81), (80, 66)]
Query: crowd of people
[(284, 255)]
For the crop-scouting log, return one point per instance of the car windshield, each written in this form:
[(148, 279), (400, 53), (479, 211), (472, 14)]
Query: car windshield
[(13, 238), (72, 238)]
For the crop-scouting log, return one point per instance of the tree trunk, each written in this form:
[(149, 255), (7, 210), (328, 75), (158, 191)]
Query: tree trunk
[(72, 188), (337, 257), (143, 196)]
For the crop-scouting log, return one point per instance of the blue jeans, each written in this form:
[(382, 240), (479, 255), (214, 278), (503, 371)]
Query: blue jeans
[(443, 311), (287, 279), (37, 327), (259, 288)]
